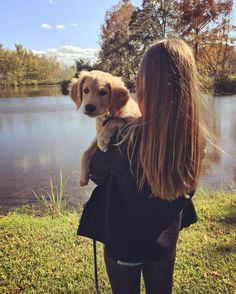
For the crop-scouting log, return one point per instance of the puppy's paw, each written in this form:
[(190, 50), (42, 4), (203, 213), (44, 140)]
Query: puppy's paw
[(83, 183), (103, 140), (84, 179)]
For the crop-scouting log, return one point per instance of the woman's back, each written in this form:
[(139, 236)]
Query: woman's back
[(128, 220)]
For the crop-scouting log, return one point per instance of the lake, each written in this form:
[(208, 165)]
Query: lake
[(43, 134)]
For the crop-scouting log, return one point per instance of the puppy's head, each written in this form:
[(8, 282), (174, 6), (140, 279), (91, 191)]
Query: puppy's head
[(99, 93)]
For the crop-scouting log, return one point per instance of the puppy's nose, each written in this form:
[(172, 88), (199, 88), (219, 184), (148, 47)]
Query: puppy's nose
[(90, 107)]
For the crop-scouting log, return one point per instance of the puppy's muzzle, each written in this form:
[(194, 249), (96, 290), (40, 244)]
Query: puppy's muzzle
[(90, 108)]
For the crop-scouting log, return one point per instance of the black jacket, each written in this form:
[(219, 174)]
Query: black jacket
[(128, 221)]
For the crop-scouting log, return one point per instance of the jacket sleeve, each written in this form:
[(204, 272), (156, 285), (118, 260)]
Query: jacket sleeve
[(104, 163), (189, 215)]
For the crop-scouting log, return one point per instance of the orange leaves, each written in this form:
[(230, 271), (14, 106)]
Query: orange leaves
[(195, 15)]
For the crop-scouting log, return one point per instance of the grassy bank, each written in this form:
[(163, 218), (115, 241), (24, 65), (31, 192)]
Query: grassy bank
[(225, 84), (40, 254), (222, 85)]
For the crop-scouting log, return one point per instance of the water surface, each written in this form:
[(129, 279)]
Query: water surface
[(40, 135)]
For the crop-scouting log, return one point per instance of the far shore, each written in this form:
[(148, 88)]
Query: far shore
[(224, 86), (30, 83)]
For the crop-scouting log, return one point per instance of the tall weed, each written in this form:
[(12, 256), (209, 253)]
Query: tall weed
[(53, 201)]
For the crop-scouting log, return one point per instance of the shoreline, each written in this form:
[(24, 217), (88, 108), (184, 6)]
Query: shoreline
[(32, 204), (221, 85)]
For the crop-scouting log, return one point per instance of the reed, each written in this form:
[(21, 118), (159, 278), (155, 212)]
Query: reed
[(53, 201)]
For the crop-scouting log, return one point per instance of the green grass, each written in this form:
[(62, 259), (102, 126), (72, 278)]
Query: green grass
[(41, 254)]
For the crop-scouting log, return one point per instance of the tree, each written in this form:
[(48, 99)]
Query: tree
[(217, 51), (153, 21), (21, 65), (83, 64), (216, 59), (204, 24), (197, 19), (114, 56)]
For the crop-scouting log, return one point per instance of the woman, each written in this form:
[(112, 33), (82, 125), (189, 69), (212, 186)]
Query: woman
[(149, 174)]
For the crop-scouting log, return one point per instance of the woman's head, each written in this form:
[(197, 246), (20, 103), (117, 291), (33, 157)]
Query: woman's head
[(168, 96), (167, 67)]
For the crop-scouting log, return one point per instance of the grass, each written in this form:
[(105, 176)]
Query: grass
[(41, 254)]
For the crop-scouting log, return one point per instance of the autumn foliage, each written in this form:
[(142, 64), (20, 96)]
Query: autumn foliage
[(206, 25)]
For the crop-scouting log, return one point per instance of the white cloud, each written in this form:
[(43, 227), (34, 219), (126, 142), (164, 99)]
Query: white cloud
[(46, 26), (52, 50), (68, 54), (60, 27), (74, 24), (51, 1)]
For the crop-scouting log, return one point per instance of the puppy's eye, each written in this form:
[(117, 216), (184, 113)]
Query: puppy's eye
[(102, 93), (86, 90)]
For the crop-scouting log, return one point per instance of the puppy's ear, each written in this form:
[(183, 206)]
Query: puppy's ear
[(119, 98), (75, 90)]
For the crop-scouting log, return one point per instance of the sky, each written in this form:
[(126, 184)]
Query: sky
[(67, 29)]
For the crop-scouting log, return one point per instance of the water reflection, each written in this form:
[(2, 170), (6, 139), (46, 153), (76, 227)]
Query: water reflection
[(40, 135), (30, 91), (220, 166), (37, 137)]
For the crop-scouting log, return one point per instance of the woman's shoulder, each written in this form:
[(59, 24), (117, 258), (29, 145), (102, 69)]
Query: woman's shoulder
[(128, 134)]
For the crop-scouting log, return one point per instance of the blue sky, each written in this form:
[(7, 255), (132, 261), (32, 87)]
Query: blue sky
[(62, 26), (67, 29)]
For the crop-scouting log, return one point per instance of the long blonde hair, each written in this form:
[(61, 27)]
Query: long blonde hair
[(171, 133)]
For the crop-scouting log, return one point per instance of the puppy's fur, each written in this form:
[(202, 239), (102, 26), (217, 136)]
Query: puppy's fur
[(101, 95)]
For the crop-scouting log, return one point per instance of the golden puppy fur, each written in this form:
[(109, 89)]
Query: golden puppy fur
[(101, 95)]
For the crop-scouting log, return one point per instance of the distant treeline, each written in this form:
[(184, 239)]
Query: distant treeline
[(23, 67), (205, 25)]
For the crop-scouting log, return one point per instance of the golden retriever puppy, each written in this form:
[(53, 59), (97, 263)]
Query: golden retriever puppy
[(101, 95)]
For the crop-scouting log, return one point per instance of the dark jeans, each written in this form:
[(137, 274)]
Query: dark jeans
[(157, 276)]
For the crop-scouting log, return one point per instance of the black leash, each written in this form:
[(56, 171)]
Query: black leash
[(95, 265)]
